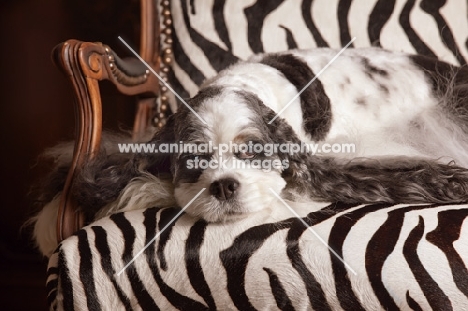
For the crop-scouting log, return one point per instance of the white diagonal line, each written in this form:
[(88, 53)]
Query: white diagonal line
[(159, 233), (160, 79), (310, 82), (313, 231)]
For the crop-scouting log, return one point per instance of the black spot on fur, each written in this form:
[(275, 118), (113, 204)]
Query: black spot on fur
[(372, 70), (384, 88), (315, 104), (361, 101), (345, 83)]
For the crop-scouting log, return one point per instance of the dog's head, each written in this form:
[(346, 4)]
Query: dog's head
[(224, 145)]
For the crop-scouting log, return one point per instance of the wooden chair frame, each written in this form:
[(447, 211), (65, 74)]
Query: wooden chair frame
[(87, 63)]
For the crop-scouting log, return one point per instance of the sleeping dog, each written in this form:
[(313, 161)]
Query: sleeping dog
[(406, 115)]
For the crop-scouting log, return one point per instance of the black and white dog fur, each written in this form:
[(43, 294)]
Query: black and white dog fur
[(406, 114)]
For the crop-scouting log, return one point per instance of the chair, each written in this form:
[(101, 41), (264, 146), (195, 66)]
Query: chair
[(216, 41), (165, 49), (185, 50)]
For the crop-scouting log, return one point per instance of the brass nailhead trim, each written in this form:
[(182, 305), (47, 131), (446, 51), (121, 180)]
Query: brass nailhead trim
[(167, 57)]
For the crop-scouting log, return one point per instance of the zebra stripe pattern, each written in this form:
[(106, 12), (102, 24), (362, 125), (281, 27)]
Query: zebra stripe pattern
[(210, 35), (405, 258)]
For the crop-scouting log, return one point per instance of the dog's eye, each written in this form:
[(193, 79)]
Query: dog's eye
[(246, 155)]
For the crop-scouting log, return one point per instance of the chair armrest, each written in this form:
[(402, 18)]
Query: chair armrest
[(85, 64)]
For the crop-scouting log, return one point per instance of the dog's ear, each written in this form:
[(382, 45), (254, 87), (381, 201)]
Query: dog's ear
[(282, 133)]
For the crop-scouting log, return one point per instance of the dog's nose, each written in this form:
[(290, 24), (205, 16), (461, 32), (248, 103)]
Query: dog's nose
[(224, 189)]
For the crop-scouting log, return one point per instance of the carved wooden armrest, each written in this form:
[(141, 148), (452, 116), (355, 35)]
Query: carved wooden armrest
[(85, 64)]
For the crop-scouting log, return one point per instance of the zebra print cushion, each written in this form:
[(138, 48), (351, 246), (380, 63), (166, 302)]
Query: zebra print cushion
[(396, 258), (209, 35)]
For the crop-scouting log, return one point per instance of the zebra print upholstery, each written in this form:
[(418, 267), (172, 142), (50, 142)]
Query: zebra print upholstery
[(211, 35), (404, 257), (399, 258)]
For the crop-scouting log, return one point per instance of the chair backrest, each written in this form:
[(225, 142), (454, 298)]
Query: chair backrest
[(210, 35)]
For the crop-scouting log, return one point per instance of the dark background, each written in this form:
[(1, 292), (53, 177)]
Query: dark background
[(37, 112)]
